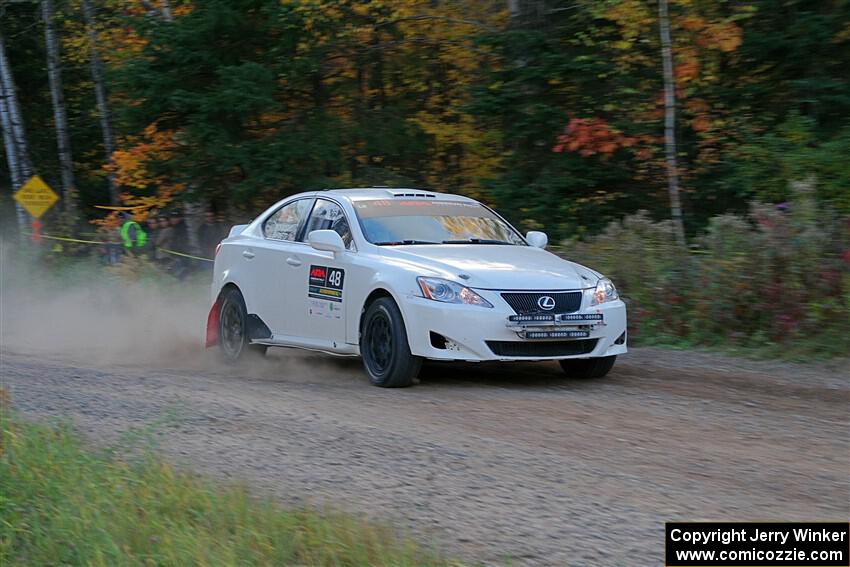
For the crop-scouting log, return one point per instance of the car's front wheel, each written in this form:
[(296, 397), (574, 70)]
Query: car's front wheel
[(234, 342), (383, 346), (588, 367)]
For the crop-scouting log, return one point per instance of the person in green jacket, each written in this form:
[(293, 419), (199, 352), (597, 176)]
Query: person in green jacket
[(133, 238)]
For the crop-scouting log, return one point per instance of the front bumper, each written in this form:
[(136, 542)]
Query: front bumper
[(442, 331)]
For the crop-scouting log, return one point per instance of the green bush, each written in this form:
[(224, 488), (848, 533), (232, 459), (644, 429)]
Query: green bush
[(775, 280), (768, 163)]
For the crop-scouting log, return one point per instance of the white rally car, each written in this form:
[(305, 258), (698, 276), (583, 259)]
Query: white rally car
[(400, 275)]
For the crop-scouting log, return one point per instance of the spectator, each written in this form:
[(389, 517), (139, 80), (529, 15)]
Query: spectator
[(164, 241), (181, 233), (133, 238), (153, 231), (180, 245), (210, 234), (111, 249)]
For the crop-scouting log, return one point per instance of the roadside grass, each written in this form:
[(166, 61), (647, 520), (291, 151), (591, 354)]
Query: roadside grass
[(806, 350), (64, 504)]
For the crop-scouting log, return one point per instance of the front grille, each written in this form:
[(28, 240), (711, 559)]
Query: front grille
[(550, 348), (526, 303)]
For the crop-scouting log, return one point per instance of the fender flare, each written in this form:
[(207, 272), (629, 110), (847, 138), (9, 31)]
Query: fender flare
[(382, 289)]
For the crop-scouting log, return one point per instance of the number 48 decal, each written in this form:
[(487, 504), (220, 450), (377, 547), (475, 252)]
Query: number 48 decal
[(335, 278), (326, 283)]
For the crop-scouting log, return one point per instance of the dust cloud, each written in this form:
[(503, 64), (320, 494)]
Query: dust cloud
[(86, 312)]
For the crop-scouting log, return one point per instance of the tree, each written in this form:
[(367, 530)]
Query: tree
[(552, 110), (14, 136), (165, 8), (63, 143), (11, 156), (100, 93), (670, 122)]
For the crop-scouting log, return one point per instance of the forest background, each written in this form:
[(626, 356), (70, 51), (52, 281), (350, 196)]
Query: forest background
[(567, 116)]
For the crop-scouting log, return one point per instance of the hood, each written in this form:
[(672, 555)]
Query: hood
[(494, 266)]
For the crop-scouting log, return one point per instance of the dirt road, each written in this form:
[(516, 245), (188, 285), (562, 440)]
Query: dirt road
[(490, 463)]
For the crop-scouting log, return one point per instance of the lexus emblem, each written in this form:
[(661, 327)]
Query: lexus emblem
[(546, 303)]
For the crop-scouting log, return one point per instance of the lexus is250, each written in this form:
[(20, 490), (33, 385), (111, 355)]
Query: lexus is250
[(397, 276)]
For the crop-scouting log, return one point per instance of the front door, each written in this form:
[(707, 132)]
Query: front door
[(323, 277)]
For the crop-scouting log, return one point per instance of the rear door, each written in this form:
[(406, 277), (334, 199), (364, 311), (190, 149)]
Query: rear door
[(278, 298)]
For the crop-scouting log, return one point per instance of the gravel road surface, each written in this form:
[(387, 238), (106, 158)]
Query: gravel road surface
[(490, 463)]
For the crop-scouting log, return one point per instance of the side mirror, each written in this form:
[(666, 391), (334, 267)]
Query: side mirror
[(327, 240), (537, 239)]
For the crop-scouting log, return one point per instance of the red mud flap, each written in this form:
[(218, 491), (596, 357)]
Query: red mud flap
[(212, 324)]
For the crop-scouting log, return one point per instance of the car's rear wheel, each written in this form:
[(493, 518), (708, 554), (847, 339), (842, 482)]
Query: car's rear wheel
[(234, 342), (383, 346), (588, 367)]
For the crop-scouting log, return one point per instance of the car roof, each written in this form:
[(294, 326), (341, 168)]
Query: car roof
[(369, 193)]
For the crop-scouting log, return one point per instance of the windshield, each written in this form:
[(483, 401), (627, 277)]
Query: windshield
[(395, 222)]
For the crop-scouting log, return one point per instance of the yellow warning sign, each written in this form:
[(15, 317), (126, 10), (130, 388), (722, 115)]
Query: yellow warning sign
[(36, 197)]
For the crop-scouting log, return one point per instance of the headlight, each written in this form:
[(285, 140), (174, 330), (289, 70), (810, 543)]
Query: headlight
[(447, 291), (605, 291)]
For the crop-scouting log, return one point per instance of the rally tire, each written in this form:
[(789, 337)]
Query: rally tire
[(234, 345), (384, 348), (586, 368)]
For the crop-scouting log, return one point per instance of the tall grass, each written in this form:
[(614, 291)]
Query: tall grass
[(776, 281), (61, 504)]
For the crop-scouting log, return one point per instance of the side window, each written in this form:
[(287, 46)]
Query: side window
[(284, 223), (327, 215)]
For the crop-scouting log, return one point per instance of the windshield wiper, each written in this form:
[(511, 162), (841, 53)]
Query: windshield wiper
[(477, 241), (403, 242)]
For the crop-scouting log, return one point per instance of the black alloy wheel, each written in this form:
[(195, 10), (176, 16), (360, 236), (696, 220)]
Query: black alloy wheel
[(380, 344), (384, 348), (233, 329)]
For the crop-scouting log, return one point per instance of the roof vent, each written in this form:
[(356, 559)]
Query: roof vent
[(412, 194)]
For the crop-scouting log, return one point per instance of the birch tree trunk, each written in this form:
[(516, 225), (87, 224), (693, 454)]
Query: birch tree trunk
[(14, 112), (100, 95), (14, 136), (9, 142), (670, 123), (165, 8), (513, 8), (54, 74), (12, 160)]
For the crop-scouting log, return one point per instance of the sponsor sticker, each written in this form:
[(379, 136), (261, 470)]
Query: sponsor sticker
[(326, 283), (324, 309)]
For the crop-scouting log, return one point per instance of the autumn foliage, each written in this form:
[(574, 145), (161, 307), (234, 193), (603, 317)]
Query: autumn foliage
[(592, 136), (553, 111), (144, 188)]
